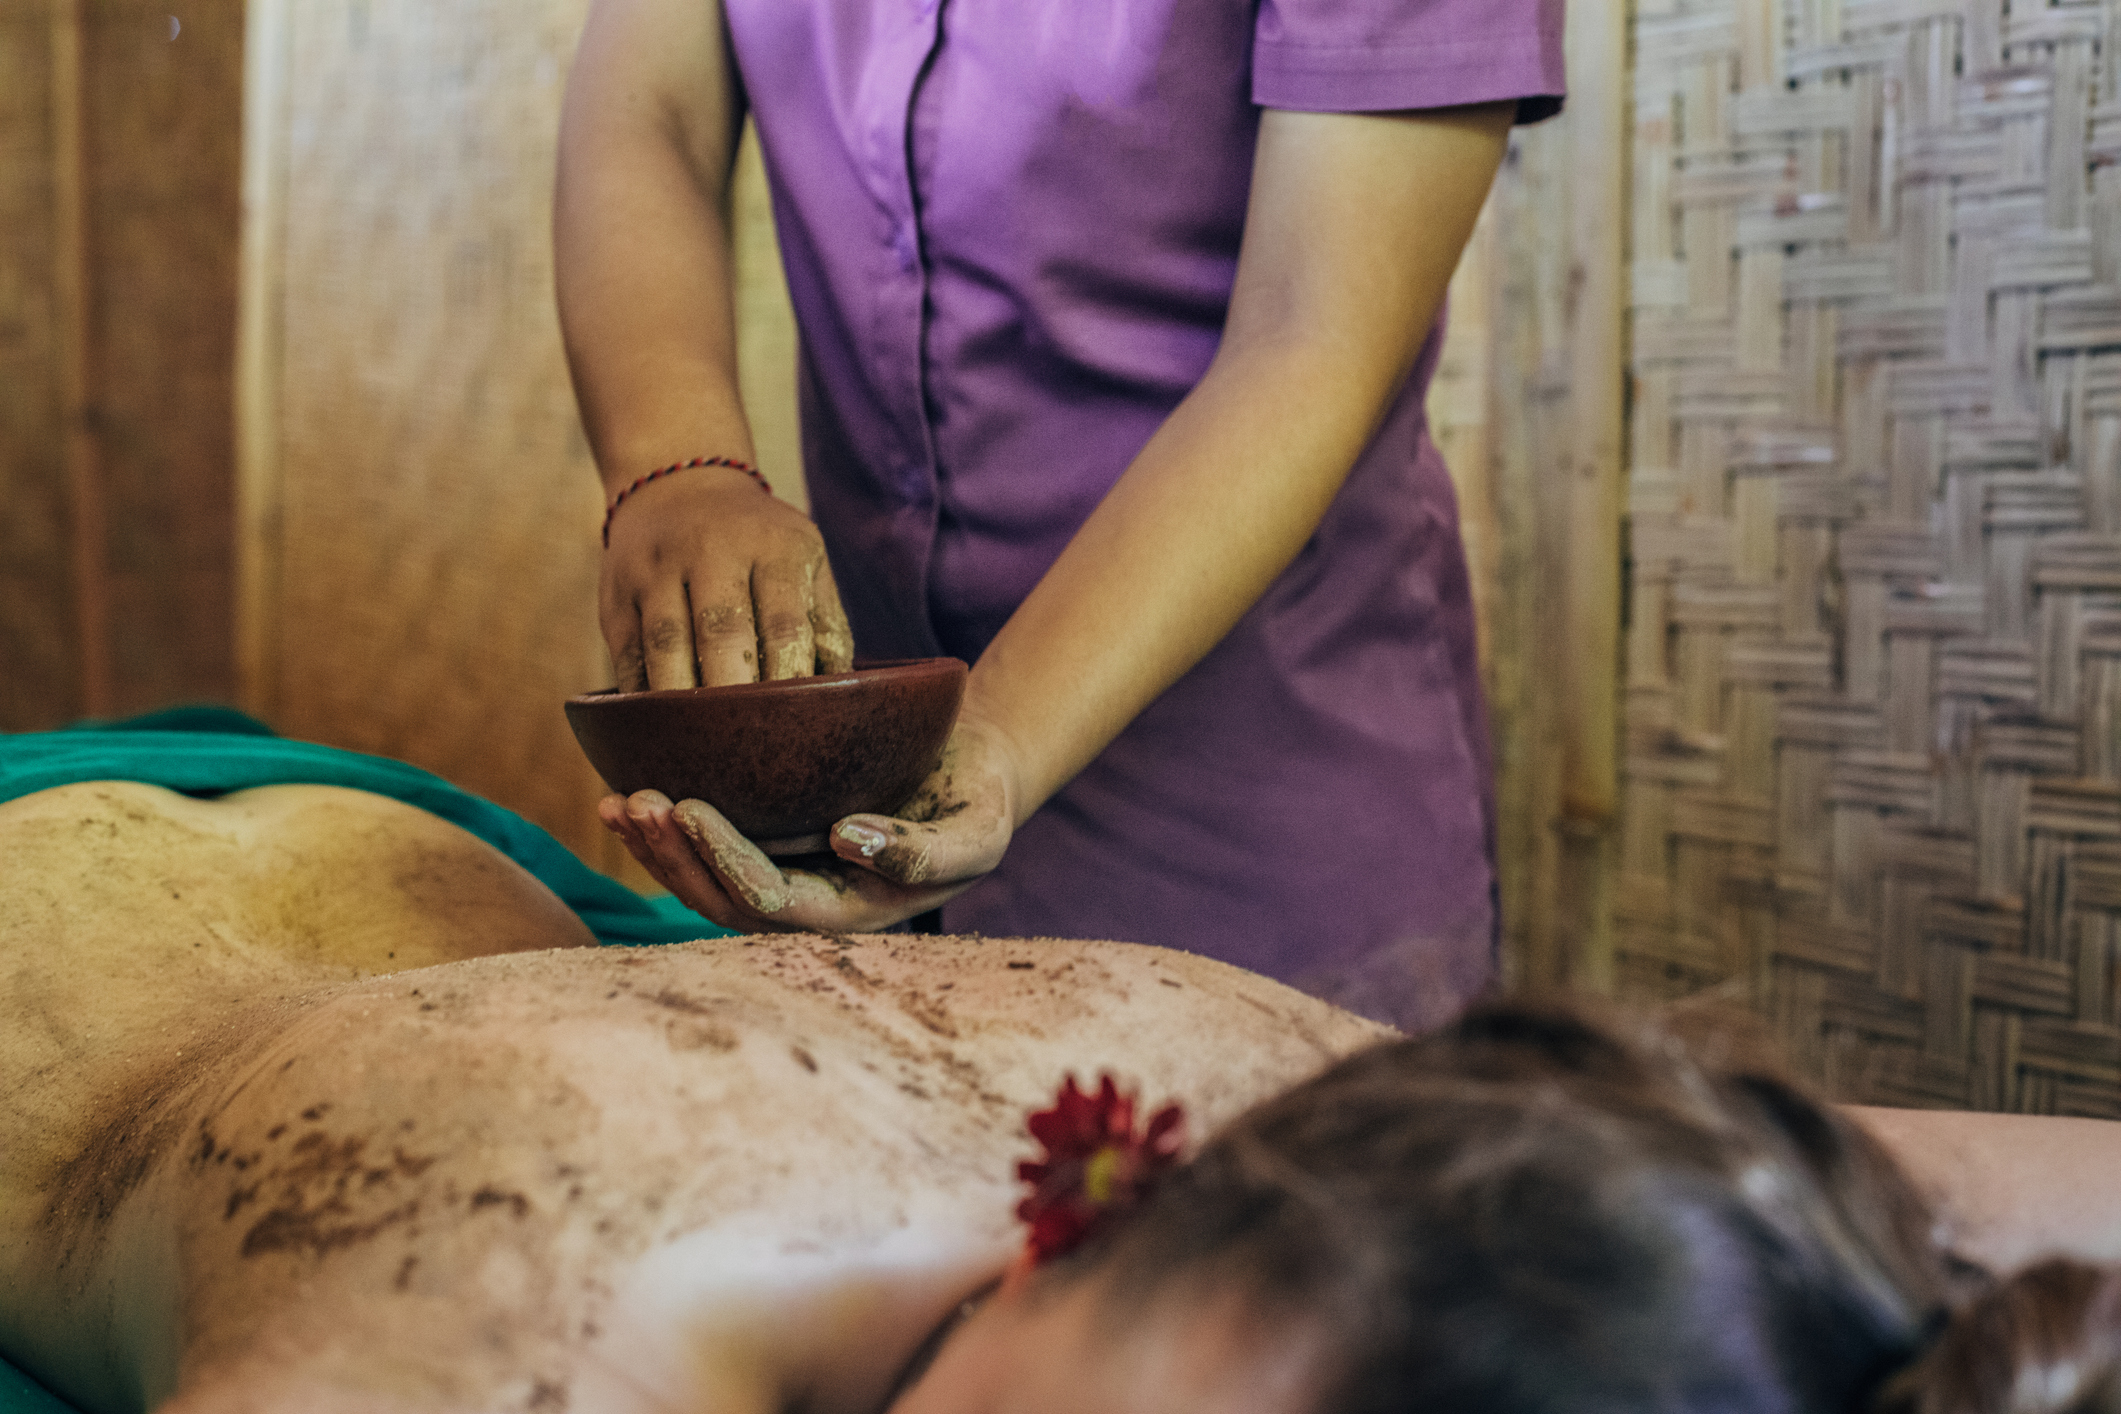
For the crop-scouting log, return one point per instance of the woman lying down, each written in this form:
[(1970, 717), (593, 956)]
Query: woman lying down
[(312, 1101)]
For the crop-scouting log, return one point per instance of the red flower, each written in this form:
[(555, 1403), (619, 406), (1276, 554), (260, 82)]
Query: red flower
[(1095, 1166)]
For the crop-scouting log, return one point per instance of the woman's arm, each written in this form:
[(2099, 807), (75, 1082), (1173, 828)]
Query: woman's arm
[(1355, 224), (2011, 1188), (705, 580)]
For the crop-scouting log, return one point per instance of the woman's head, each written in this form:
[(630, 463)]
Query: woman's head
[(1532, 1211), (1540, 1212)]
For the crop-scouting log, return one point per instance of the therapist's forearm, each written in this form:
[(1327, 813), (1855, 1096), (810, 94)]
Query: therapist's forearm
[(1328, 315), (641, 251), (1214, 508)]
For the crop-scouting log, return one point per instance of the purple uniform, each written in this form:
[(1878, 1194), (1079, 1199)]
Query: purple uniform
[(1010, 229)]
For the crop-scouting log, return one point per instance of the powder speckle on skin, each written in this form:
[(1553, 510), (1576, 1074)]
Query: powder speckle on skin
[(324, 1194), (700, 1036), (297, 1230), (931, 1014), (137, 1128), (490, 1197)]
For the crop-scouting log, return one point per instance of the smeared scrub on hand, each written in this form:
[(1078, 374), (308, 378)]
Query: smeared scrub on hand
[(937, 799), (756, 879)]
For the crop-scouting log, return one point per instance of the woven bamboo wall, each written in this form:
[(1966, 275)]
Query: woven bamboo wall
[(1873, 769)]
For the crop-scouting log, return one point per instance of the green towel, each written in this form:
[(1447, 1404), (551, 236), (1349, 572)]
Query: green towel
[(209, 751), (19, 1394)]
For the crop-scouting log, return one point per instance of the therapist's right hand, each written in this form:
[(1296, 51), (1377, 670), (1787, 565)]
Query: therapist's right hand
[(709, 581)]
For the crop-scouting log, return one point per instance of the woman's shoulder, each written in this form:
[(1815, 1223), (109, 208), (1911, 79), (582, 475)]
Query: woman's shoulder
[(1029, 1010), (955, 1038)]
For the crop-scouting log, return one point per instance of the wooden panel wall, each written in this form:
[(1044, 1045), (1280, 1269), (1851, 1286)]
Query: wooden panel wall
[(420, 508), (1873, 783), (418, 496), (40, 680), (119, 169), (1528, 409)]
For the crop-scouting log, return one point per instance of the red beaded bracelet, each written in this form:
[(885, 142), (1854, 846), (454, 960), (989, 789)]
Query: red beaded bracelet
[(662, 471)]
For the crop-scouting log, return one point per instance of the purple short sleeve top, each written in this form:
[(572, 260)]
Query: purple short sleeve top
[(1010, 229), (1350, 56)]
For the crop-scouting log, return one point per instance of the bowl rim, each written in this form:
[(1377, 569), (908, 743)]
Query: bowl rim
[(867, 671)]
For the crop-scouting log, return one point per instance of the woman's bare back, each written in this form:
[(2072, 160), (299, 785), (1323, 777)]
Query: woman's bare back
[(255, 1155)]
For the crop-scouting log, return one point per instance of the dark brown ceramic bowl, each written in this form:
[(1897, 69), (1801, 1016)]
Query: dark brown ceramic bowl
[(782, 760)]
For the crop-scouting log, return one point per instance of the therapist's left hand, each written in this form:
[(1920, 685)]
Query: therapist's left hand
[(889, 868)]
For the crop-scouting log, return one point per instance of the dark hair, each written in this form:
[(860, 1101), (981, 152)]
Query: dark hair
[(2047, 1341), (1538, 1211)]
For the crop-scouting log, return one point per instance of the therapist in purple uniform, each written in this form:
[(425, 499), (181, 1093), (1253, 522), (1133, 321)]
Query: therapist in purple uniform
[(1116, 317)]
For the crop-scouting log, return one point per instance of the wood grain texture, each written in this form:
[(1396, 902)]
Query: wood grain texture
[(260, 351), (163, 142), (1528, 409), (40, 681), (117, 308), (1871, 785), (73, 350)]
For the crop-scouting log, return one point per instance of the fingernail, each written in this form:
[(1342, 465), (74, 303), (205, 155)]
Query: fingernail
[(869, 841)]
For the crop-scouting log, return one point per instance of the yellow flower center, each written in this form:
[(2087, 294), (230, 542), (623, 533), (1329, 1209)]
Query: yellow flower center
[(1099, 1175)]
